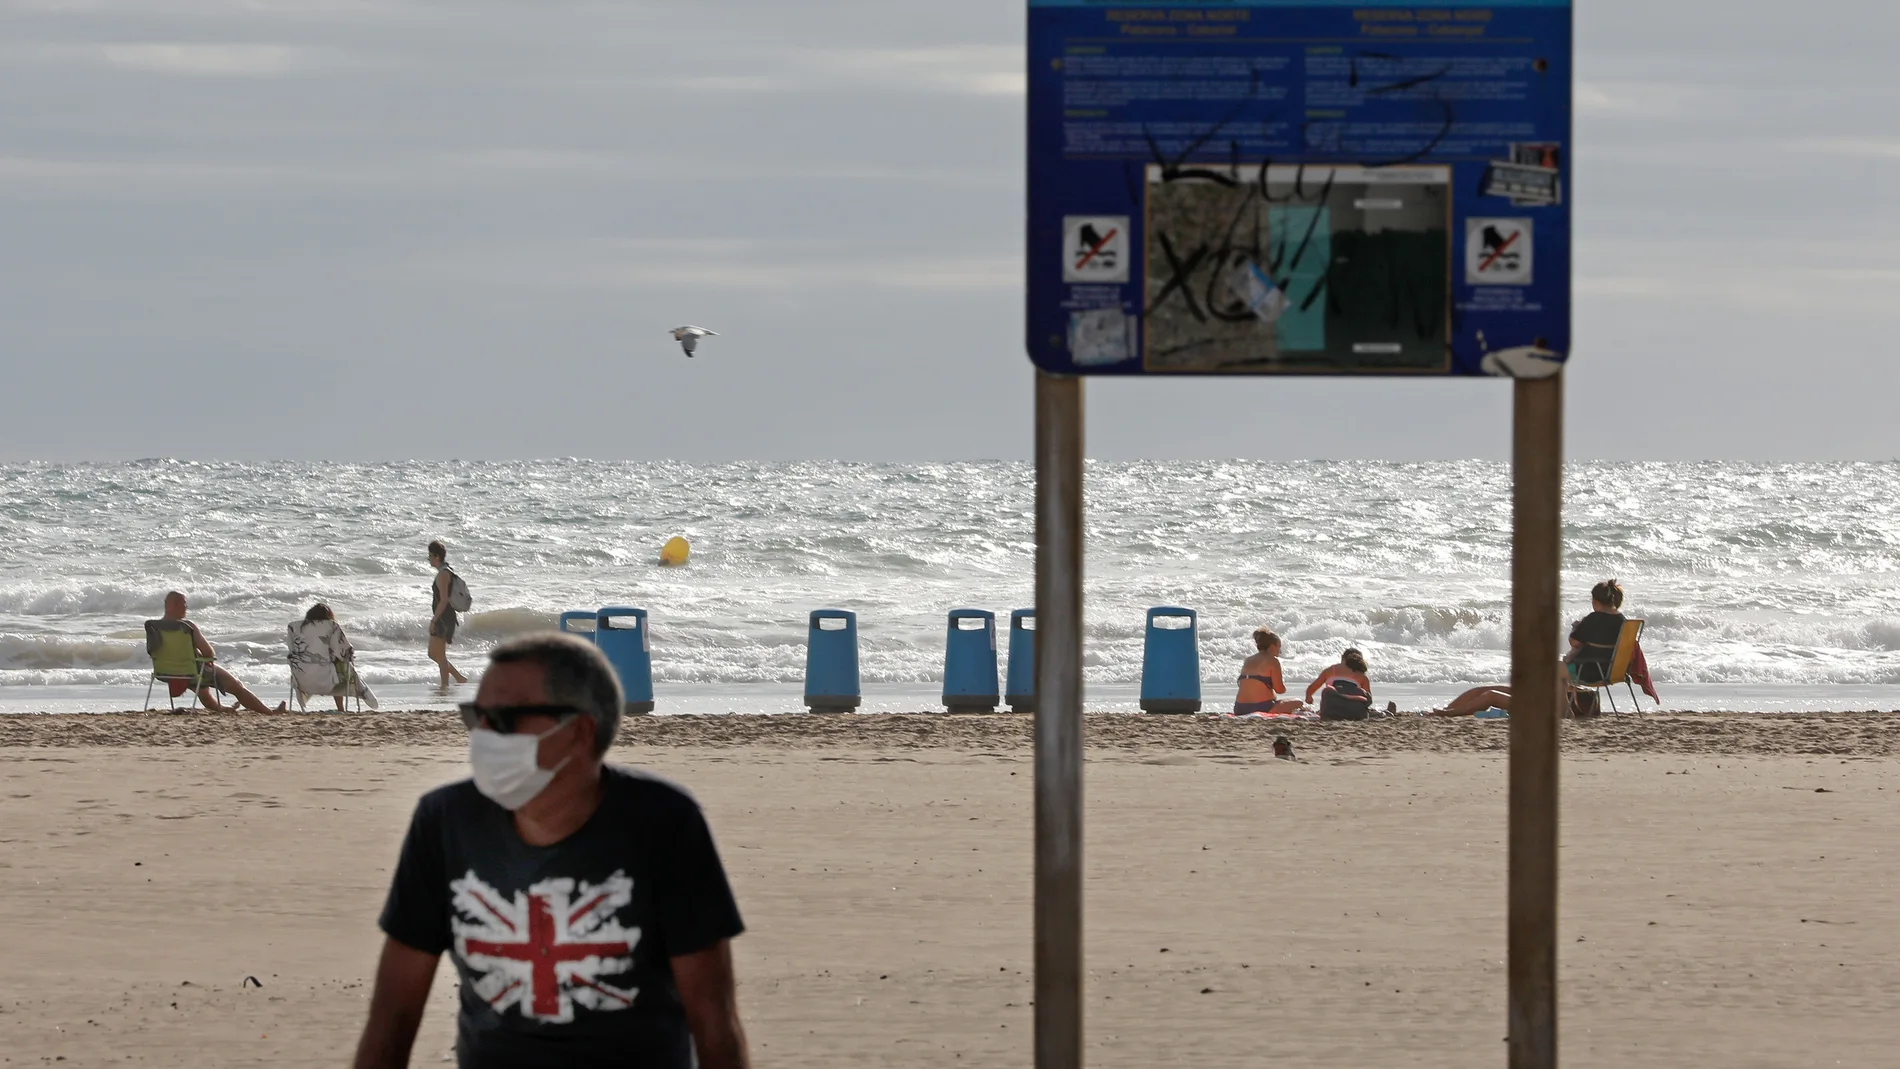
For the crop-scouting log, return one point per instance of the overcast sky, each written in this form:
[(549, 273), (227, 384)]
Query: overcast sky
[(386, 229)]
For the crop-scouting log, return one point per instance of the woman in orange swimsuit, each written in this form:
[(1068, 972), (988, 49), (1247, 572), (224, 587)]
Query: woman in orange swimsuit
[(1261, 682)]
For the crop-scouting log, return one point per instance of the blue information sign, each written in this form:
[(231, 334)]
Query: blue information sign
[(1299, 186)]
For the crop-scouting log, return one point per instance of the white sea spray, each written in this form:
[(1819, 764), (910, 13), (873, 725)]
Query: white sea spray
[(1762, 574)]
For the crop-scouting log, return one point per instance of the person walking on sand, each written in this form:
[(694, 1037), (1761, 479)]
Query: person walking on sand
[(1261, 680), (583, 905), (442, 609), (216, 678)]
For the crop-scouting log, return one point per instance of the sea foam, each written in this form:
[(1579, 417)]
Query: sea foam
[(1746, 574)]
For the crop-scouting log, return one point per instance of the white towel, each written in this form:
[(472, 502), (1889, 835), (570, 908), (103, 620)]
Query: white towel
[(317, 647)]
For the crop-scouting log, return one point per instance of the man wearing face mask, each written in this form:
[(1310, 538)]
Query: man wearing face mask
[(584, 905)]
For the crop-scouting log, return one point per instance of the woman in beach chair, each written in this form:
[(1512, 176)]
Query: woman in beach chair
[(322, 661), (1603, 652), (1593, 638), (1261, 682)]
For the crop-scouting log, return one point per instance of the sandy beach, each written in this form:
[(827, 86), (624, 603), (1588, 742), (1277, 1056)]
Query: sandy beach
[(1726, 901)]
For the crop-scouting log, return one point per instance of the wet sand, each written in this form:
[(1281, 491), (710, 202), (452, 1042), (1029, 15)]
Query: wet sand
[(1727, 887)]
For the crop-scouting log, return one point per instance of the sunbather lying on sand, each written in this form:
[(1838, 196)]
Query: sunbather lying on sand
[(1477, 700)]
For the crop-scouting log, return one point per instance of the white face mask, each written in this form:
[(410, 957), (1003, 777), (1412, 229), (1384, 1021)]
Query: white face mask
[(505, 767)]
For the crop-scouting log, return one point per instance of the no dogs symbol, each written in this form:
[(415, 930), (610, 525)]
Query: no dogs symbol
[(1498, 252), (1095, 248)]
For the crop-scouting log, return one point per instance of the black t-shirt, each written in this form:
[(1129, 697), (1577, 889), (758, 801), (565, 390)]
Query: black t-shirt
[(564, 950), (1598, 632)]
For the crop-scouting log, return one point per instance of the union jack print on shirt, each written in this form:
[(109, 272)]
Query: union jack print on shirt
[(545, 951)]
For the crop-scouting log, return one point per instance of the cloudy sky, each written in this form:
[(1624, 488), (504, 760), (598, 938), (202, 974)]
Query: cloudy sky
[(375, 229)]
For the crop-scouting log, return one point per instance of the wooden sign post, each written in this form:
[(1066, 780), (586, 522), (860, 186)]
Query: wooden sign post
[(1058, 721), (1537, 703)]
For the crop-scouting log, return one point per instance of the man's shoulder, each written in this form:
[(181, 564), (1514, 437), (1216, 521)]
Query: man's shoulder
[(650, 789), (450, 798)]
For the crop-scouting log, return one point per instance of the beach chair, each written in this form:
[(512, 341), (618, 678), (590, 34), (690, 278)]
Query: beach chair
[(1619, 669), (174, 661), (315, 672)]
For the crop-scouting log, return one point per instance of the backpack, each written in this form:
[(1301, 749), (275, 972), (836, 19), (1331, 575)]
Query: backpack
[(459, 598)]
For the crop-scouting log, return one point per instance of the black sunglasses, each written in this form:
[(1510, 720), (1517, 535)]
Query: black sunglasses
[(502, 718)]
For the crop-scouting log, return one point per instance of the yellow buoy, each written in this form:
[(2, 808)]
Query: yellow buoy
[(675, 552)]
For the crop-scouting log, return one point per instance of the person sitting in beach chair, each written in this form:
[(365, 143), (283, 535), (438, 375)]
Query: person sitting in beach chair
[(322, 661), (1345, 690), (1626, 667), (186, 662), (1261, 682), (1593, 639)]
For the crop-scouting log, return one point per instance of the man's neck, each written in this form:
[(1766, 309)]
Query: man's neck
[(559, 811)]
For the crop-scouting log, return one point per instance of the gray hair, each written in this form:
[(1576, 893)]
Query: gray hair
[(574, 673)]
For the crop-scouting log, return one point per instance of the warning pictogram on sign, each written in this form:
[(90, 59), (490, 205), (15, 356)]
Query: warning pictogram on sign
[(1497, 252), (1095, 248)]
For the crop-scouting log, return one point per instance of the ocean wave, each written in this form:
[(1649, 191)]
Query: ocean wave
[(1788, 574), (36, 599), (147, 601), (71, 677), (40, 653)]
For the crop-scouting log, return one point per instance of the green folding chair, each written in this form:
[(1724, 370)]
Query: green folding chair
[(174, 660)]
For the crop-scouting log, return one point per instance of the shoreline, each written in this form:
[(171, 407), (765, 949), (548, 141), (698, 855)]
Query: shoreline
[(1852, 734), (776, 697)]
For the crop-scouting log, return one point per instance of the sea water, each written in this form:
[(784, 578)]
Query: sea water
[(1763, 586)]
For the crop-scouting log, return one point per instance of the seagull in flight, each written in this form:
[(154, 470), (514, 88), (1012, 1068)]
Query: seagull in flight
[(688, 337)]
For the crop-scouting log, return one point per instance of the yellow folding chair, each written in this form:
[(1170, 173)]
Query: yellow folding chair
[(1620, 666), (174, 660)]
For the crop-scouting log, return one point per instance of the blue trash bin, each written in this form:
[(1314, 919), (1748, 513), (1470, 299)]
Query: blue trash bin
[(621, 633), (579, 624), (831, 662), (1171, 662), (969, 662), (1020, 690)]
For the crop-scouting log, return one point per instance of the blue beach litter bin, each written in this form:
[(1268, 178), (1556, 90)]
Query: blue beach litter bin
[(831, 662), (621, 633), (969, 662), (578, 624), (1020, 689), (1171, 661)]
